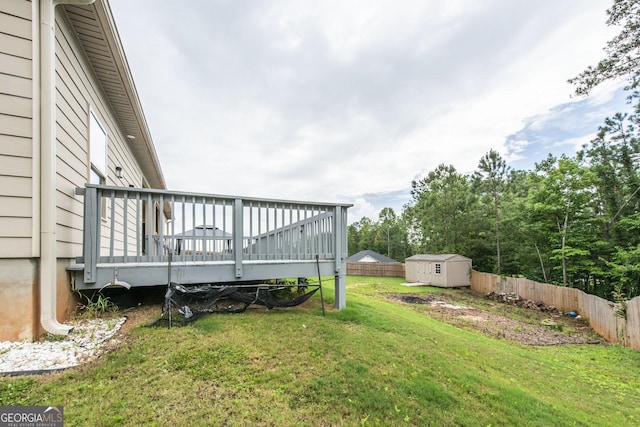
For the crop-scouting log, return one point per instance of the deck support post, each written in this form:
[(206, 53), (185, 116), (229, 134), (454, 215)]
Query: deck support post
[(91, 236), (238, 223), (340, 250), (341, 291)]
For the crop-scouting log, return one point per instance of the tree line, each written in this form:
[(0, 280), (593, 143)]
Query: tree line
[(572, 220)]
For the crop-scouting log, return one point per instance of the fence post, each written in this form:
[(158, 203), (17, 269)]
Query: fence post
[(632, 333)]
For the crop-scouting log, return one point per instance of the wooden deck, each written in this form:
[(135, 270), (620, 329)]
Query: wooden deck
[(133, 235)]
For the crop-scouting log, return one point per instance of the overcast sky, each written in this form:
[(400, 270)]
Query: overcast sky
[(349, 101)]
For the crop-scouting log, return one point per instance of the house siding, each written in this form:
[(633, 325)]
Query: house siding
[(16, 114), (18, 8), (17, 271), (78, 93)]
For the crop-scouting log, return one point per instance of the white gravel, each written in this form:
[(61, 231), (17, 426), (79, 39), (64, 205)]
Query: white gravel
[(84, 343)]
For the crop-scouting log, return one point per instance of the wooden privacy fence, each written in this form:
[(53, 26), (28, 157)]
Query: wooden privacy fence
[(375, 269), (607, 318)]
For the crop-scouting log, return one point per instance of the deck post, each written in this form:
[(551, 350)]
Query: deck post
[(341, 291), (238, 223), (339, 248), (91, 235)]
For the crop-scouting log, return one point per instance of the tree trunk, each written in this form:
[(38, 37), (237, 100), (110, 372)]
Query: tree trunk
[(565, 226), (499, 256), (544, 273)]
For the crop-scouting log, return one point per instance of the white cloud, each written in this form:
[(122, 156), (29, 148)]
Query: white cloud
[(515, 150), (362, 208)]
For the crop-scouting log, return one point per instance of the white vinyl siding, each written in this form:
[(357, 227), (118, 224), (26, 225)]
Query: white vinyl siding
[(15, 207), (16, 77), (19, 8), (78, 96), (14, 25), (16, 129), (77, 93), (15, 166), (14, 45)]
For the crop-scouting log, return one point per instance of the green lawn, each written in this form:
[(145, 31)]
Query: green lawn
[(374, 363)]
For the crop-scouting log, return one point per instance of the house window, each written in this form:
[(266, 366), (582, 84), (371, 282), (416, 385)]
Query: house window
[(97, 151), (438, 268)]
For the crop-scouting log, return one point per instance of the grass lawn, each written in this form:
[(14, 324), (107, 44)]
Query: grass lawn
[(377, 362)]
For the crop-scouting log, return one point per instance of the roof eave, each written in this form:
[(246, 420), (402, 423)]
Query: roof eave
[(142, 146)]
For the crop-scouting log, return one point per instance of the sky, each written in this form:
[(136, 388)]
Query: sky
[(349, 101)]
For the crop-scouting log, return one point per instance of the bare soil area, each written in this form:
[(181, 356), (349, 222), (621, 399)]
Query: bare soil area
[(508, 317), (141, 316)]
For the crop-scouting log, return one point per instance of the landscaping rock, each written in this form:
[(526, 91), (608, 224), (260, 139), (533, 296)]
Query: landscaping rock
[(518, 301)]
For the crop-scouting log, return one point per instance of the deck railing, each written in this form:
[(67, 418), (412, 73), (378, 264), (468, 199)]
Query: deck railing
[(133, 226)]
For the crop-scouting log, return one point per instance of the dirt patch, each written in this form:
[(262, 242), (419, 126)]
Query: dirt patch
[(524, 321), (138, 305), (140, 316)]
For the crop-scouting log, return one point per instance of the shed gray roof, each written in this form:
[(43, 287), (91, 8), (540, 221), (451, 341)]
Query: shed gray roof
[(375, 255), (436, 257)]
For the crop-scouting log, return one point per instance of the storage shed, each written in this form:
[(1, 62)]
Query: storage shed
[(441, 270)]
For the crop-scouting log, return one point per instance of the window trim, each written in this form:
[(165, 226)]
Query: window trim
[(98, 138), (437, 268)]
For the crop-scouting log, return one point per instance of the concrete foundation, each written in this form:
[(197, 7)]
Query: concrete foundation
[(20, 298)]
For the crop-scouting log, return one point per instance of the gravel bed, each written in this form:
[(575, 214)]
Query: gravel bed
[(84, 343)]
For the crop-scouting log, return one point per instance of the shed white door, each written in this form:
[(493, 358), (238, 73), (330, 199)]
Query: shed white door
[(424, 272)]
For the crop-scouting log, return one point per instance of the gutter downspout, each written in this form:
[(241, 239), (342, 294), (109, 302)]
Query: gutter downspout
[(48, 256)]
